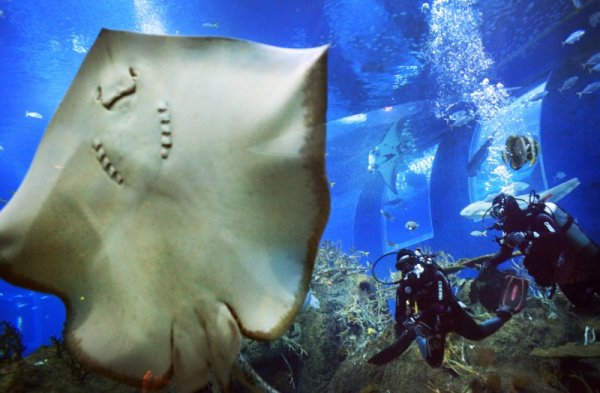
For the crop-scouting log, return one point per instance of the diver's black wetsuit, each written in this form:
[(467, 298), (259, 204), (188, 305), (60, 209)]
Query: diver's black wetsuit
[(426, 310), (548, 256), (538, 238)]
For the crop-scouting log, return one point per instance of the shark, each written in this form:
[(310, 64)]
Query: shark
[(476, 210)]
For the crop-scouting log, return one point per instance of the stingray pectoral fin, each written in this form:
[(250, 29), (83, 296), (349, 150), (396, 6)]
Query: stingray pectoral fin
[(205, 337), (189, 205)]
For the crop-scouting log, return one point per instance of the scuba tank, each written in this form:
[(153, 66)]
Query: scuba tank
[(576, 237)]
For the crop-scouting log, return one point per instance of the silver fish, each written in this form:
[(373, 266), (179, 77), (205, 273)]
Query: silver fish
[(460, 118), (386, 214), (538, 96), (478, 233), (34, 115), (395, 202), (567, 84), (391, 243), (574, 37), (411, 225), (592, 61), (474, 164), (595, 68), (457, 115), (589, 89)]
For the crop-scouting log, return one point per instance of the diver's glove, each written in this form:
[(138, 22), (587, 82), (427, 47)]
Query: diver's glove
[(516, 239), (486, 269), (505, 312), (409, 323)]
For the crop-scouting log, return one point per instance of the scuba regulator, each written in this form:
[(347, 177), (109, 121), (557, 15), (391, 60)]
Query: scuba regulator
[(410, 264)]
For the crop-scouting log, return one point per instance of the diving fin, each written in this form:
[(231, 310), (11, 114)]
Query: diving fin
[(391, 352), (514, 293)]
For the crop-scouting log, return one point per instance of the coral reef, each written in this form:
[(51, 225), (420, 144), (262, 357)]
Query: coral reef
[(541, 349), (11, 343), (78, 371)]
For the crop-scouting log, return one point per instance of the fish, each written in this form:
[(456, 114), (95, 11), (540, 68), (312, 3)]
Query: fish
[(457, 115), (474, 164), (210, 25), (595, 68), (391, 243), (389, 154), (460, 119), (476, 210), (589, 89), (372, 160), (192, 320), (519, 150), (577, 4), (573, 37), (479, 233), (386, 215), (395, 202), (34, 115), (568, 83), (592, 61), (311, 301), (537, 96), (411, 225), (515, 88), (594, 19), (559, 176)]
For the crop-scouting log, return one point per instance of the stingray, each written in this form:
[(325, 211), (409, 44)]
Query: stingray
[(175, 202)]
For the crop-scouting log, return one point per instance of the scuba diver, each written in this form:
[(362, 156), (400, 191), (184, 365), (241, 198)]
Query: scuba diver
[(556, 250), (427, 310)]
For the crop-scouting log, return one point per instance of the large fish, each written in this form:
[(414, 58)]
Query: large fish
[(520, 150), (479, 157), (476, 210)]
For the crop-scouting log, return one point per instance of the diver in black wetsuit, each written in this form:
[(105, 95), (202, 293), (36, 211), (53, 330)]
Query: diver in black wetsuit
[(556, 250), (427, 310)]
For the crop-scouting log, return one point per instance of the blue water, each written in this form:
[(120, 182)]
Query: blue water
[(397, 68)]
